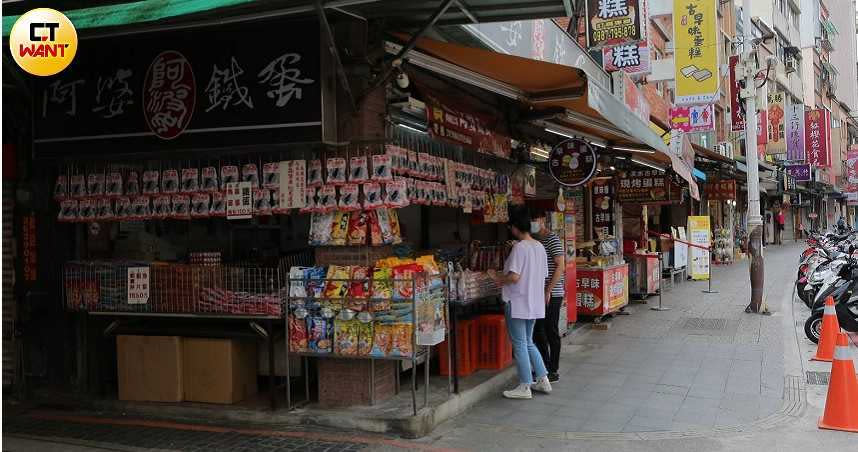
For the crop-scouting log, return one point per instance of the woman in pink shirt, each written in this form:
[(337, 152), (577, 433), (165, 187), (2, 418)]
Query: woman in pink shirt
[(523, 291)]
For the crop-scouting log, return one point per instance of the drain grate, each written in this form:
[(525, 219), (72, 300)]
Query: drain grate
[(699, 323), (818, 378)]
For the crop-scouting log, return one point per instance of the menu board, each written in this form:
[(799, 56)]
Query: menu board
[(647, 186), (603, 208)]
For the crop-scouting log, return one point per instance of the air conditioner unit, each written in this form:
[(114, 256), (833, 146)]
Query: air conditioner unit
[(790, 65)]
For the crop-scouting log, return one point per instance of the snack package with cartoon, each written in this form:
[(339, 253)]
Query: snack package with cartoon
[(250, 173), (104, 209), (357, 228), (396, 194), (113, 184), (69, 211), (77, 186), (402, 337), (86, 209), (297, 334), (170, 181), (382, 289), (261, 202), (297, 289), (271, 175), (382, 339), (228, 175), (365, 338), (338, 281), (95, 184), (340, 228), (200, 205), (319, 334), (218, 207), (372, 196), (61, 187), (151, 182), (349, 197), (384, 226), (395, 231), (405, 281), (320, 228), (314, 174), (181, 207), (122, 208), (346, 337), (359, 288), (358, 169), (161, 207), (336, 171), (140, 208), (381, 171), (315, 281), (374, 228), (132, 184), (327, 198), (209, 179)]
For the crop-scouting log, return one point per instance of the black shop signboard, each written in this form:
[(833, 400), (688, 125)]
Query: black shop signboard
[(202, 88), (647, 187)]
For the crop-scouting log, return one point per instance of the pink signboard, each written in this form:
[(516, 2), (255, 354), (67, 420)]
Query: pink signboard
[(697, 118)]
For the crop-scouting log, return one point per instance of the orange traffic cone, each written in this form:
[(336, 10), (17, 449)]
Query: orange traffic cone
[(828, 335), (841, 404)]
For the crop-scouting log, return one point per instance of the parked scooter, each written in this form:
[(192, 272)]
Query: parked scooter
[(843, 287)]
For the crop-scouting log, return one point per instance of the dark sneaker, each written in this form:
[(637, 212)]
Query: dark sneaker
[(553, 377)]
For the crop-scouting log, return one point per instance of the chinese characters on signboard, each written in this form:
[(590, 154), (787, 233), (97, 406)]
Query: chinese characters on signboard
[(775, 125), (633, 58), (572, 162), (239, 200), (720, 190), (29, 249), (697, 118), (695, 51), (852, 173), (603, 208), (800, 173), (138, 285), (600, 292), (817, 131), (737, 110), (795, 132), (464, 128), (613, 22), (646, 186)]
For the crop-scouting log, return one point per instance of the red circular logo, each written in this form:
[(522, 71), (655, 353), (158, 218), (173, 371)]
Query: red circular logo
[(169, 94)]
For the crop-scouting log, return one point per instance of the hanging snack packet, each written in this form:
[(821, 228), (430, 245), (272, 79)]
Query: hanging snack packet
[(309, 201), (382, 288), (228, 175), (349, 197), (181, 207), (384, 226), (315, 277), (275, 202), (327, 198), (319, 334), (358, 169), (69, 210), (218, 208), (314, 174), (410, 190), (372, 196), (250, 173), (297, 334), (357, 228), (209, 179), (424, 168), (122, 208), (161, 207), (340, 228), (404, 281), (402, 340), (359, 288), (200, 205), (381, 171), (86, 209), (346, 337), (297, 289), (190, 180), (61, 187), (77, 186), (170, 181), (320, 228), (396, 194), (103, 209), (261, 202), (132, 184), (337, 281), (374, 229), (395, 230), (381, 339), (95, 184), (365, 333), (113, 184), (271, 175), (336, 171), (151, 182)]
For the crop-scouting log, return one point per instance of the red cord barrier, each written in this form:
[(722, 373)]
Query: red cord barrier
[(668, 236)]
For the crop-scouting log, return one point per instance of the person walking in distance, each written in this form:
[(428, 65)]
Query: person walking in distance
[(522, 285), (779, 226), (546, 333)]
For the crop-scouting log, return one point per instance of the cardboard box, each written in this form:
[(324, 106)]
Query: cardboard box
[(219, 370), (149, 368)]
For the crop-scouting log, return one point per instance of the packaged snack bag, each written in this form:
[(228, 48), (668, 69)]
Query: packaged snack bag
[(86, 209), (250, 173), (275, 202), (338, 284), (349, 197), (103, 209), (428, 264), (271, 175), (161, 207), (397, 195), (411, 190), (296, 282), (200, 204), (181, 207), (61, 187), (309, 201), (190, 180), (359, 288), (320, 228), (358, 169), (314, 174), (357, 228), (95, 184), (327, 198), (315, 280), (395, 161), (77, 186), (424, 169), (413, 164), (132, 184), (384, 225), (381, 171), (395, 231), (336, 171), (340, 228), (374, 229), (319, 334), (382, 288), (113, 184), (122, 208), (404, 281), (372, 196), (365, 338), (261, 202), (69, 210), (218, 208), (228, 175), (170, 181), (297, 334), (382, 339), (209, 179), (346, 337), (151, 182), (402, 340)]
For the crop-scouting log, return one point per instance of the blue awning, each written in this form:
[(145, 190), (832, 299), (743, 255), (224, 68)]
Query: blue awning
[(698, 174)]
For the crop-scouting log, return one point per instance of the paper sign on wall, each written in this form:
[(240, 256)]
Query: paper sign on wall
[(699, 234), (239, 200), (138, 285)]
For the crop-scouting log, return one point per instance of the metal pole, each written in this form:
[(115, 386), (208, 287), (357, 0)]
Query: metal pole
[(709, 253), (660, 285), (755, 221)]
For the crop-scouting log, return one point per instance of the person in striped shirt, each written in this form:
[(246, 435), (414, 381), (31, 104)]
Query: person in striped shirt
[(546, 332)]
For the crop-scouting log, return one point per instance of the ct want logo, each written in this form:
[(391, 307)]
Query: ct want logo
[(43, 41)]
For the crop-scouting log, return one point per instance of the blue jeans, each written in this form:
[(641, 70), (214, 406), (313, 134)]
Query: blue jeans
[(523, 350)]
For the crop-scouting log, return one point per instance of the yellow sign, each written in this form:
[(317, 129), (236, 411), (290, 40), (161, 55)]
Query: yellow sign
[(43, 41), (695, 32), (699, 236), (776, 118)]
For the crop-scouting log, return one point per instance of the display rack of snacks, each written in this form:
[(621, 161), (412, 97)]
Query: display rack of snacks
[(394, 310)]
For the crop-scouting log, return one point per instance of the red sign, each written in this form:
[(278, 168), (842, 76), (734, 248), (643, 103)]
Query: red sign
[(852, 169), (600, 292), (762, 129), (817, 128), (464, 128), (736, 113), (720, 190), (169, 94), (29, 249)]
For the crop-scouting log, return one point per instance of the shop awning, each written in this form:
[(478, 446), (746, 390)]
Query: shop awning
[(590, 110), (709, 154)]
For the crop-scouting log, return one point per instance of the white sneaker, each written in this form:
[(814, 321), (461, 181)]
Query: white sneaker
[(521, 391), (542, 385)]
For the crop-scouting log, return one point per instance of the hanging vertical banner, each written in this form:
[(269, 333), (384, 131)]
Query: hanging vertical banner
[(737, 111), (695, 34), (699, 234), (817, 131), (852, 169), (633, 58), (795, 132), (603, 208), (775, 126), (613, 22)]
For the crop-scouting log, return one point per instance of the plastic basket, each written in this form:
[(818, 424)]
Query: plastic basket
[(494, 349), (466, 338)]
